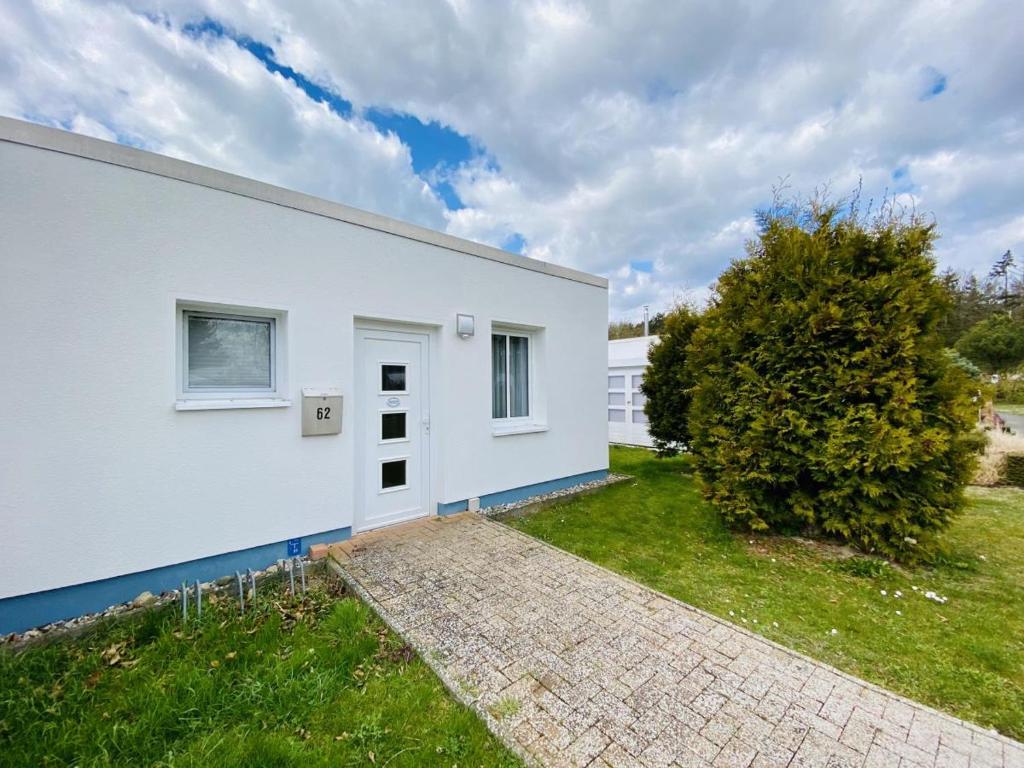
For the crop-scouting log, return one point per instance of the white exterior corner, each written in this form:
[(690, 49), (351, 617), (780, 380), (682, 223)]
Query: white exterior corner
[(114, 461)]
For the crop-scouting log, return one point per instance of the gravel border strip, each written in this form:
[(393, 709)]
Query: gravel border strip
[(146, 601), (516, 508)]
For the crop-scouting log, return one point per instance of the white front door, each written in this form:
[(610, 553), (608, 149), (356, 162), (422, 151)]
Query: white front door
[(393, 423), (627, 422)]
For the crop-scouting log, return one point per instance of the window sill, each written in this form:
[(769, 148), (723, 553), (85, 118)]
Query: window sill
[(502, 430), (229, 403)]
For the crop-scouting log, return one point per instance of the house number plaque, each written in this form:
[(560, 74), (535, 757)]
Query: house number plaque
[(321, 411)]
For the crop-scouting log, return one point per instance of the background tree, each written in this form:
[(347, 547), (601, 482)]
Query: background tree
[(1002, 272), (824, 399), (668, 381), (996, 345), (971, 302), (624, 329)]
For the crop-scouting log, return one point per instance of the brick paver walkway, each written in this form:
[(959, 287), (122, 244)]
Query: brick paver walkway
[(574, 665)]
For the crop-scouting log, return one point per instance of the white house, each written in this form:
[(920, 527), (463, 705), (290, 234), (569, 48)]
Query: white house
[(627, 359), (204, 373)]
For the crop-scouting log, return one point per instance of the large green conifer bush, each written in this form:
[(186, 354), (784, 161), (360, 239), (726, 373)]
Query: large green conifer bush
[(668, 382), (823, 397)]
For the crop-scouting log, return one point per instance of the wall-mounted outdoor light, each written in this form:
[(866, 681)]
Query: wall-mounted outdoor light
[(464, 326)]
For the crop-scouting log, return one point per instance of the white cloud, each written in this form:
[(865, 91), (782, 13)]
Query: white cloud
[(646, 131), (108, 72)]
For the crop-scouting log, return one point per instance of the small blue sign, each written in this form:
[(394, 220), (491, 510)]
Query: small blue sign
[(294, 547)]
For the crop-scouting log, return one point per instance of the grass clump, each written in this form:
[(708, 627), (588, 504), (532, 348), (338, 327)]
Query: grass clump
[(317, 681)]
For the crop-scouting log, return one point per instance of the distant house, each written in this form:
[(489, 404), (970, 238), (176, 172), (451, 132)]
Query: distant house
[(627, 360), (205, 373)]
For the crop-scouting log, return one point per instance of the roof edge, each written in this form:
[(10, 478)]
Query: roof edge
[(44, 137)]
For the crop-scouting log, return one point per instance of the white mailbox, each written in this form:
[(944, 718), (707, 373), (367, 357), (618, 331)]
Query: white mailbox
[(321, 411)]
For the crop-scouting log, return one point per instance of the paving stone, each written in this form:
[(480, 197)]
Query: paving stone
[(581, 667)]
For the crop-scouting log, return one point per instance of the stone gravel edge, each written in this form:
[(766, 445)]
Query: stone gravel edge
[(457, 691), (519, 508), (988, 733)]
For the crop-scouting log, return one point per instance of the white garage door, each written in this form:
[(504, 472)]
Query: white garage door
[(627, 422)]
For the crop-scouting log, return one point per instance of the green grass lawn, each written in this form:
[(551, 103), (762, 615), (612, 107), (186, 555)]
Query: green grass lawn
[(965, 656), (1008, 408), (317, 683)]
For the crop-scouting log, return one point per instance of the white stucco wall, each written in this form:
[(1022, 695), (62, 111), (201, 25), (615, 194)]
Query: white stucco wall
[(623, 352), (101, 476)]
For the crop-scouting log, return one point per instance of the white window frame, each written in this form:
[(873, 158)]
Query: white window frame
[(533, 421), (509, 335), (214, 398)]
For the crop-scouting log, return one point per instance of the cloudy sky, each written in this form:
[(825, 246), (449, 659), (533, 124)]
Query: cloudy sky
[(631, 139)]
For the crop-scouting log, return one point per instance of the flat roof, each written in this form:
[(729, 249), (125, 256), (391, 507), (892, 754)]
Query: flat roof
[(44, 137)]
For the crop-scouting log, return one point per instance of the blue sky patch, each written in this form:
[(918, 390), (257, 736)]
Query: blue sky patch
[(935, 83), (514, 243), (265, 54), (901, 180), (436, 144), (432, 146), (642, 266)]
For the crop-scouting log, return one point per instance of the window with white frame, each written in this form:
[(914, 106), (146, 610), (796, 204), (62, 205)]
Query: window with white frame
[(510, 375), (230, 355)]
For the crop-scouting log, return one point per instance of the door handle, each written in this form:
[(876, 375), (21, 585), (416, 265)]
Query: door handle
[(426, 424)]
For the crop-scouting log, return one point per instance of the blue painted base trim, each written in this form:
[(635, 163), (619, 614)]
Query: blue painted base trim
[(524, 492), (26, 611)]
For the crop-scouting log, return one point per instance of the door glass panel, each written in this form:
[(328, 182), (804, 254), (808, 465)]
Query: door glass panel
[(639, 417), (616, 398), (637, 381), (392, 378), (392, 474), (392, 426), (616, 382), (616, 414), (639, 400)]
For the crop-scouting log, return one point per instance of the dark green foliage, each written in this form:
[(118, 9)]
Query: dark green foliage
[(668, 381), (977, 441), (996, 344), (824, 400), (971, 301), (1015, 469)]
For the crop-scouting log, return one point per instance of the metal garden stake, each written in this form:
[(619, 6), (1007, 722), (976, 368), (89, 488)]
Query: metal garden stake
[(241, 592)]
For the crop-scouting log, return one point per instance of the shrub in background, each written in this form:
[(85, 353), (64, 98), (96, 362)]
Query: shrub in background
[(1009, 391), (995, 344), (824, 399), (1015, 469), (668, 381)]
